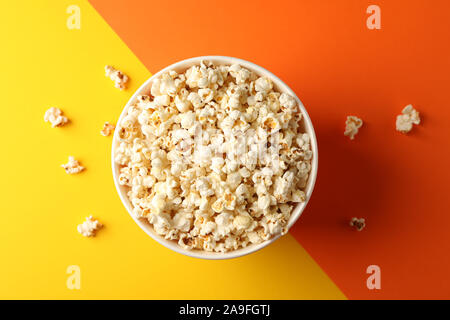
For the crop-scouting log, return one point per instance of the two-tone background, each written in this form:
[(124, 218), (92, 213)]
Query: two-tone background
[(324, 51)]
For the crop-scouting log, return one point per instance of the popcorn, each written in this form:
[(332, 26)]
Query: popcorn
[(89, 227), (187, 120), (55, 117), (119, 78), (158, 203), (263, 202), (207, 228), (229, 201), (271, 124), (287, 101), (108, 128), (352, 125), (73, 166), (182, 104), (182, 221), (242, 222), (218, 205), (206, 95), (298, 196), (359, 224), (263, 85), (406, 120), (214, 158)]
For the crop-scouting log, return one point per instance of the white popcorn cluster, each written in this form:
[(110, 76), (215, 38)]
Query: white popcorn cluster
[(406, 120), (214, 158), (73, 166), (55, 117), (120, 79), (108, 128), (352, 125), (89, 227)]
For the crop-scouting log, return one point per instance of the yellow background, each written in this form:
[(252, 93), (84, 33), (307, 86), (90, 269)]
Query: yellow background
[(45, 64)]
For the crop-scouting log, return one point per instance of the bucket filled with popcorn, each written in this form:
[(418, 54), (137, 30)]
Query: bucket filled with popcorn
[(214, 157)]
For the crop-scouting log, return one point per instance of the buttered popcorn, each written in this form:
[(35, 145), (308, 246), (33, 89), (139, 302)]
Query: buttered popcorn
[(108, 128), (405, 121), (214, 158), (358, 223), (55, 117), (120, 79), (89, 227), (73, 166), (352, 125)]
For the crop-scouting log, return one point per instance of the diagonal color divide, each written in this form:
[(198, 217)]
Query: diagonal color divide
[(47, 64), (338, 67)]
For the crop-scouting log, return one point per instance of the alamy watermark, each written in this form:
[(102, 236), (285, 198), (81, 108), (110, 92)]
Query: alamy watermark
[(374, 20), (374, 280), (74, 279), (74, 19)]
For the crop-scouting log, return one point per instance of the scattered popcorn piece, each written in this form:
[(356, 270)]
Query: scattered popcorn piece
[(108, 128), (120, 79), (73, 166), (406, 120), (359, 224), (89, 227), (55, 117), (352, 125), (214, 157)]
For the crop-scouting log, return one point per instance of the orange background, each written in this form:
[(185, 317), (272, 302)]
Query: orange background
[(338, 67)]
